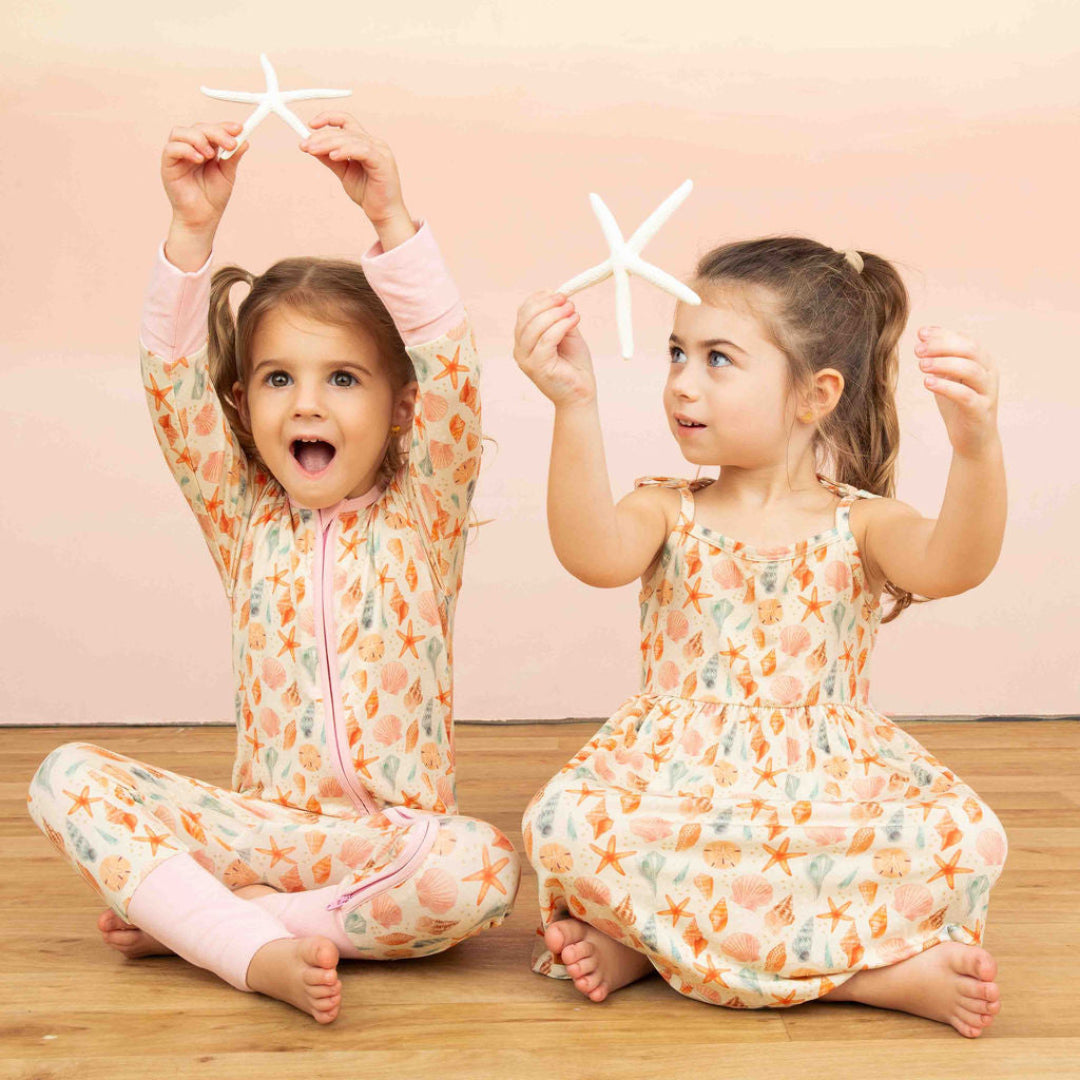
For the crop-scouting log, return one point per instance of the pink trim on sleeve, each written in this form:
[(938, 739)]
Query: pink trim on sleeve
[(175, 309), (413, 282)]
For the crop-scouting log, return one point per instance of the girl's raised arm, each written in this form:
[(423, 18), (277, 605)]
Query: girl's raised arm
[(600, 543), (958, 550), (199, 446)]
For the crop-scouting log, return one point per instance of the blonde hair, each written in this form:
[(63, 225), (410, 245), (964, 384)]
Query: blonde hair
[(829, 311), (334, 291)]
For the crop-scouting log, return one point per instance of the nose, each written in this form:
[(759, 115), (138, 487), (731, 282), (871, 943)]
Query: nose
[(308, 398), (683, 383)]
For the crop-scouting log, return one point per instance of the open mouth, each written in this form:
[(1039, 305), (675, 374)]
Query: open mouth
[(312, 455), (688, 424)]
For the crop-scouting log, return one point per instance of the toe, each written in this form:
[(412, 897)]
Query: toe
[(969, 1019), (585, 966), (976, 988), (578, 951), (599, 993), (563, 933), (975, 1005), (320, 976), (324, 993), (319, 952)]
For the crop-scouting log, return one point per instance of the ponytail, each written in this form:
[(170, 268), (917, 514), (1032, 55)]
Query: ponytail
[(225, 364)]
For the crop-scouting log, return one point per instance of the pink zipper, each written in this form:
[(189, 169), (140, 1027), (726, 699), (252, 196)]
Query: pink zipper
[(324, 618), (421, 839)]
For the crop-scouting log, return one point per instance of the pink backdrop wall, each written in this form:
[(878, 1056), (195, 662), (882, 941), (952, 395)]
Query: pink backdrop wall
[(944, 138)]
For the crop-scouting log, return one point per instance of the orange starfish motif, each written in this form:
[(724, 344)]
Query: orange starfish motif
[(410, 641), (867, 760), (159, 393), (779, 856), (488, 876), (584, 792), (676, 911), (733, 652), (277, 578), (813, 606), (712, 973), (451, 368), (352, 545), (82, 801), (362, 762), (768, 774), (277, 853), (948, 870), (836, 914), (694, 595), (289, 644), (155, 841), (611, 857)]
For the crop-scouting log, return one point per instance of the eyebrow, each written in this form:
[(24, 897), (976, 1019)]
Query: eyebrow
[(335, 364), (674, 340)]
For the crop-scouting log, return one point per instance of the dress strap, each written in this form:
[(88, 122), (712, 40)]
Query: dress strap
[(686, 488), (849, 495)]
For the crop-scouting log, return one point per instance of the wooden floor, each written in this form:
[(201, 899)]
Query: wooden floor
[(71, 1008)]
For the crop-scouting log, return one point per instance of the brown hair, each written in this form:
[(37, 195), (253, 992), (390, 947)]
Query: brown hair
[(331, 290), (826, 313)]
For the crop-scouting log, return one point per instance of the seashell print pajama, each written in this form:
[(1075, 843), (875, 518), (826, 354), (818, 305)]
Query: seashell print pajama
[(342, 653)]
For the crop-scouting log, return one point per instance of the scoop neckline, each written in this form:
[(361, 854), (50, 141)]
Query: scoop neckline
[(772, 554)]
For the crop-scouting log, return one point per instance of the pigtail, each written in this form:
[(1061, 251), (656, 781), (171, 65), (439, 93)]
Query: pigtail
[(222, 352)]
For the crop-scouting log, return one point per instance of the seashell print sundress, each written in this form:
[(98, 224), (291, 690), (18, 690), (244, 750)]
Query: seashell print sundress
[(748, 821)]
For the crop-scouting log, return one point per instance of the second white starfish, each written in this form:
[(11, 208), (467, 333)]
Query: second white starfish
[(625, 259), (272, 100)]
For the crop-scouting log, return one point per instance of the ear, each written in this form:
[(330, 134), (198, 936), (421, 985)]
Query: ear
[(240, 397), (822, 395), (405, 404)]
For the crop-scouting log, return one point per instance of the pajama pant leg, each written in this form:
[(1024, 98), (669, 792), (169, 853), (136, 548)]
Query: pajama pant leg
[(117, 819)]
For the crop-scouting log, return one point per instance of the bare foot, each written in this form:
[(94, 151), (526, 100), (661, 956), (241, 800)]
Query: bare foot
[(952, 983), (134, 943), (127, 938), (301, 972), (598, 964)]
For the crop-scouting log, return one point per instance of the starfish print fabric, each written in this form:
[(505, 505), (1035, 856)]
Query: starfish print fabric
[(401, 882), (342, 625), (749, 821)]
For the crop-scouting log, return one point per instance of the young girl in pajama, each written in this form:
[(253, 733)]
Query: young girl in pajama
[(328, 442), (748, 825)]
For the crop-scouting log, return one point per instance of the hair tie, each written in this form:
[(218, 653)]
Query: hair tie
[(855, 259)]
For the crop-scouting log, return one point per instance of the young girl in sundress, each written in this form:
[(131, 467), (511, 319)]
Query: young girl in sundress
[(748, 824), (327, 440)]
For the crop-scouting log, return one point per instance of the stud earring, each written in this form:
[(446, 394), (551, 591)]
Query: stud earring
[(395, 429), (806, 417)]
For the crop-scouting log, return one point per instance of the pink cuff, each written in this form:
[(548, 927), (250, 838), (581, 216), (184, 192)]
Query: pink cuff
[(176, 308), (413, 282)]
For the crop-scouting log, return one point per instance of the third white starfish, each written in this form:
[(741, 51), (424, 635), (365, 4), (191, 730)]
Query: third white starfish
[(272, 100), (625, 259)]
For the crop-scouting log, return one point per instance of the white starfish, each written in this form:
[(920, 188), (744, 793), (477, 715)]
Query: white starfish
[(625, 259), (273, 100)]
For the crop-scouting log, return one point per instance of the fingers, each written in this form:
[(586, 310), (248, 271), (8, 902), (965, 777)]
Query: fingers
[(199, 143), (955, 367), (547, 328), (338, 145), (333, 118), (534, 304)]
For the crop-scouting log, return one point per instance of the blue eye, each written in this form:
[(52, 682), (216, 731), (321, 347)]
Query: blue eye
[(726, 360), (676, 353)]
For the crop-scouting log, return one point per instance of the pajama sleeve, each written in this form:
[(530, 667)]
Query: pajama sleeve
[(444, 458), (214, 474)]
